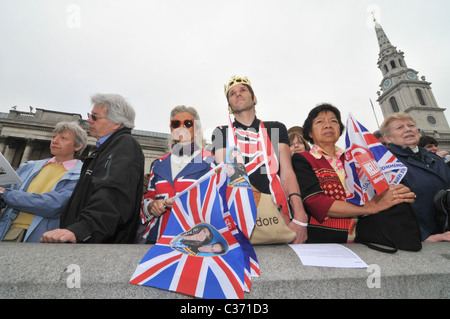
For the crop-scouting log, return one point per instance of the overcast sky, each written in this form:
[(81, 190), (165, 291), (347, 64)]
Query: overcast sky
[(55, 54)]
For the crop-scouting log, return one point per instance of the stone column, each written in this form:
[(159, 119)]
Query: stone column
[(28, 150), (10, 150), (2, 144)]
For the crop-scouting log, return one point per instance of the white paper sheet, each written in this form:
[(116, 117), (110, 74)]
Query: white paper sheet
[(7, 174), (328, 255)]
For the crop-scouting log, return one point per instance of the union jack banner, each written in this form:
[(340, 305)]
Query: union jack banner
[(240, 202), (199, 253), (261, 153), (370, 167)]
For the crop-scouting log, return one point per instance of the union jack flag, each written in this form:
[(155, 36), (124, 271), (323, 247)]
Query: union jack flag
[(199, 253), (259, 149), (370, 167), (240, 198), (241, 204)]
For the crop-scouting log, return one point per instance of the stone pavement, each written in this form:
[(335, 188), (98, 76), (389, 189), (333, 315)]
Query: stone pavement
[(43, 270)]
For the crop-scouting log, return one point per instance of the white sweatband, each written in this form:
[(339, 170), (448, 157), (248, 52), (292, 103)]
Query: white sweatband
[(296, 222)]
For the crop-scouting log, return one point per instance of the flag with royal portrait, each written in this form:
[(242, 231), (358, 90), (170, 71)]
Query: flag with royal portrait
[(370, 167), (201, 253)]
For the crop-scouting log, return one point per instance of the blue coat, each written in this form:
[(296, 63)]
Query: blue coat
[(424, 177), (46, 207)]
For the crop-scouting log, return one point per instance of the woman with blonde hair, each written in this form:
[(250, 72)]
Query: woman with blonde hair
[(427, 172)]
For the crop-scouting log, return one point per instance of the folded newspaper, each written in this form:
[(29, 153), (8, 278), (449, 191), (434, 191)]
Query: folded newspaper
[(7, 174)]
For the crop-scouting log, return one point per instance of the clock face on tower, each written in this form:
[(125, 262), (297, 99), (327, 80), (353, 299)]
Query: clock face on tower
[(411, 75), (387, 83)]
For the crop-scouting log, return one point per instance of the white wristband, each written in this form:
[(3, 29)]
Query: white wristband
[(296, 222)]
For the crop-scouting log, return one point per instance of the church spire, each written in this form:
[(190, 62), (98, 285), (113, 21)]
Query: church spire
[(403, 91), (383, 41), (390, 60)]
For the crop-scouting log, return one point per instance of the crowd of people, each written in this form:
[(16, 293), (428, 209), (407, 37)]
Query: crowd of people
[(101, 200)]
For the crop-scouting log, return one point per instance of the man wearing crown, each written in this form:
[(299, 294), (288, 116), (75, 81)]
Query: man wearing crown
[(265, 147)]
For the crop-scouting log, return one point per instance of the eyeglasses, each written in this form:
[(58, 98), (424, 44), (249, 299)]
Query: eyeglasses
[(177, 123), (95, 117), (297, 144)]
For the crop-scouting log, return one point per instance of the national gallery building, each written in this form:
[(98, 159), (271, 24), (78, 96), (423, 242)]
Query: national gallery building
[(26, 136)]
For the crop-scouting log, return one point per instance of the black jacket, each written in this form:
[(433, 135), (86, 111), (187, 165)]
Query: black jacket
[(427, 174), (105, 204)]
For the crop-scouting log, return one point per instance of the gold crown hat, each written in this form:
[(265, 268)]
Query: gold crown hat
[(235, 80)]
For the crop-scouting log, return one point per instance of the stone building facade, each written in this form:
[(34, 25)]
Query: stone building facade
[(403, 90), (26, 136)]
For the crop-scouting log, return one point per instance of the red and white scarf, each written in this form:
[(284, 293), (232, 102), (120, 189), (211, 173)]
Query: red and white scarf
[(258, 148)]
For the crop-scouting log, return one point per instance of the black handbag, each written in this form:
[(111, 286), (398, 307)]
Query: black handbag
[(390, 230), (441, 202)]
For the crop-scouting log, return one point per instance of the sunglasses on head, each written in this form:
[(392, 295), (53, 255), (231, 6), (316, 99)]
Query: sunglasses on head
[(177, 123)]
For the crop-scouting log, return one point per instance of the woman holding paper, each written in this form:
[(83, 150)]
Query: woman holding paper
[(35, 206), (174, 172), (427, 172), (321, 177)]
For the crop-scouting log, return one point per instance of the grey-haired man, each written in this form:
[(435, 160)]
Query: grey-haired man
[(105, 204)]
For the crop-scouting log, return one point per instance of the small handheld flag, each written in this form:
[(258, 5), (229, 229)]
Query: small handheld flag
[(370, 167)]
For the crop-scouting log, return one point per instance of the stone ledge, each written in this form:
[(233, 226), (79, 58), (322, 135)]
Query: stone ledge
[(40, 271)]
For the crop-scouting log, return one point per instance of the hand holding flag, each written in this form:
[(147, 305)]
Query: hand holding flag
[(201, 252), (370, 167)]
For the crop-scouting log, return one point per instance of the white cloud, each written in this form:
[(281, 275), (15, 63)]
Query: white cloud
[(159, 54)]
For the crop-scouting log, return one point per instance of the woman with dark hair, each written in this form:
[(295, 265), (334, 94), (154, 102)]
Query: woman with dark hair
[(199, 235), (321, 177), (197, 240), (431, 144)]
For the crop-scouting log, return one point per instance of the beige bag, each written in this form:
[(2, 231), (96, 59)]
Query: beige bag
[(14, 235), (270, 227)]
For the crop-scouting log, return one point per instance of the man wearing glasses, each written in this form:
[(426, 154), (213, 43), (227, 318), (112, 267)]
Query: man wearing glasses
[(105, 204)]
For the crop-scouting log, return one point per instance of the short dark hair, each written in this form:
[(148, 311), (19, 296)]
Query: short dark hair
[(425, 140), (307, 126), (250, 90)]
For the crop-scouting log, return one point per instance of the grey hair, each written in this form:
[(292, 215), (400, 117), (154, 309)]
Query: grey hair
[(198, 139), (81, 138), (183, 108), (119, 110), (384, 129)]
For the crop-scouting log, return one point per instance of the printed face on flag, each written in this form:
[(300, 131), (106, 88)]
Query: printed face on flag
[(203, 240), (235, 168), (185, 260)]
